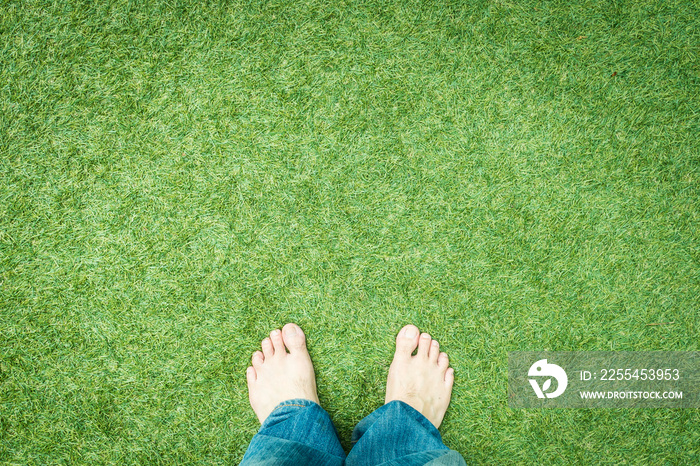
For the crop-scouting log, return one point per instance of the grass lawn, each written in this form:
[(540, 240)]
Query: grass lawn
[(179, 178)]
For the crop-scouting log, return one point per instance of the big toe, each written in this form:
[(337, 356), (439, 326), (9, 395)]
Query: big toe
[(407, 340), (294, 338)]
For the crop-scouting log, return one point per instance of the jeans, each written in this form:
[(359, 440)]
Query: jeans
[(300, 432)]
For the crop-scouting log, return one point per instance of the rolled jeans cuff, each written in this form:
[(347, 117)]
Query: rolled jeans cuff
[(297, 431)]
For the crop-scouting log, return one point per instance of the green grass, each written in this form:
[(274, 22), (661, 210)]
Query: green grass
[(178, 178)]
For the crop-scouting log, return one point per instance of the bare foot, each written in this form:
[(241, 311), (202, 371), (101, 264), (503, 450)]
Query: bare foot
[(423, 381), (277, 375)]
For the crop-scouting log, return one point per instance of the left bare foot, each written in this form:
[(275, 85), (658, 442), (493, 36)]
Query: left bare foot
[(277, 375)]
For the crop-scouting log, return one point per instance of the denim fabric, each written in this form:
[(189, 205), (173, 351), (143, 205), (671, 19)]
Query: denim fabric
[(300, 432), (397, 434), (297, 432)]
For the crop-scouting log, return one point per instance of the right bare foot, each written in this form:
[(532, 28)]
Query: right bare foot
[(423, 381)]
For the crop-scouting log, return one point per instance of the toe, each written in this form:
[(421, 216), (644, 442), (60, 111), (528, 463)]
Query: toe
[(434, 351), (257, 359), (294, 338), (277, 343), (407, 340), (424, 345), (443, 361), (267, 348), (449, 377), (250, 375)]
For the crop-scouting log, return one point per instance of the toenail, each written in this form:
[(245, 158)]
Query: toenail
[(266, 341), (425, 336), (275, 332), (290, 331), (410, 332)]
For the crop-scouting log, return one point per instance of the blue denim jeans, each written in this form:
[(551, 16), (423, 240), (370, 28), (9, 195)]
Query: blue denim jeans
[(300, 432)]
